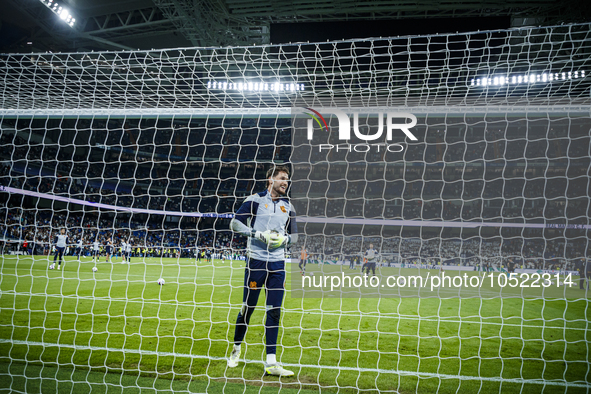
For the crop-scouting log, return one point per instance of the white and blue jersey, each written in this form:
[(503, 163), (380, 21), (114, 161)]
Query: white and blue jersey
[(371, 255), (261, 213), (61, 240)]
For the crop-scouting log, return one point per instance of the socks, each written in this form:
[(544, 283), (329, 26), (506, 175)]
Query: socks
[(271, 359)]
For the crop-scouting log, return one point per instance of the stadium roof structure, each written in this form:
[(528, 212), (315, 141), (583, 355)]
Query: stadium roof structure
[(155, 24)]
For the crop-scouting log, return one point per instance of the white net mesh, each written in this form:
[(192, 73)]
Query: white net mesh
[(157, 150)]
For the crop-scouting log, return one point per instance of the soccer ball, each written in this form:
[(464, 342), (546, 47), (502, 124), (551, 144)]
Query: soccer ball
[(94, 269), (160, 281), (52, 267)]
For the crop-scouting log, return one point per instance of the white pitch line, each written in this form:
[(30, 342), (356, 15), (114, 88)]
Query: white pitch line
[(542, 382), (344, 314)]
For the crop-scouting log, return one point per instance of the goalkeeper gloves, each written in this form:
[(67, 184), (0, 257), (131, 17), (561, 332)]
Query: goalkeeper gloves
[(272, 239), (278, 240), (264, 236)]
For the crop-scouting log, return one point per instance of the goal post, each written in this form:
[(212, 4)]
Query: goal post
[(413, 159)]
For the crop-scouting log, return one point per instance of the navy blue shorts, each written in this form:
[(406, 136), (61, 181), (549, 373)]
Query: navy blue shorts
[(271, 275), (59, 251)]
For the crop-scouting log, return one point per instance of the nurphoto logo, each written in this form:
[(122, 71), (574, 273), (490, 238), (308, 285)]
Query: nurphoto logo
[(395, 122)]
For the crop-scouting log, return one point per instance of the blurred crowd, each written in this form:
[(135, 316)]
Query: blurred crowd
[(535, 253), (38, 227)]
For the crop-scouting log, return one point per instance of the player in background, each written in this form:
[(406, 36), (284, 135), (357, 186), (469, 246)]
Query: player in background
[(96, 249), (303, 261), (109, 250), (265, 218), (584, 268), (60, 244), (79, 248), (116, 250), (128, 248), (371, 256), (123, 251), (355, 261)]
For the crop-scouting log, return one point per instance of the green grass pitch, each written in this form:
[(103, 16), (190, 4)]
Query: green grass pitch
[(117, 330)]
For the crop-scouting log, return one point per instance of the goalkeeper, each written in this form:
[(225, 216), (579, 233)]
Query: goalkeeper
[(268, 220), (371, 256), (61, 241)]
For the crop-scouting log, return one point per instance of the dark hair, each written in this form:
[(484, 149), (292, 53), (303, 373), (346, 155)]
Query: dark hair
[(273, 171)]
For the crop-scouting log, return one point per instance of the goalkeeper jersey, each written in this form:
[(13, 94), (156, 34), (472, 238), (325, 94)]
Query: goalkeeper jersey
[(261, 213), (61, 240), (370, 255)]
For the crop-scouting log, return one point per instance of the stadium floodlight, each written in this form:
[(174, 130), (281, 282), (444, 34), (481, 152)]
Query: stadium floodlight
[(527, 78), (60, 11), (254, 86)]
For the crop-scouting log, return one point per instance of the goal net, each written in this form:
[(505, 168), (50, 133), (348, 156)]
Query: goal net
[(413, 159)]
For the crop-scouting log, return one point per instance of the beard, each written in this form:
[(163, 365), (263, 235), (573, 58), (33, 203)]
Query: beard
[(277, 189)]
